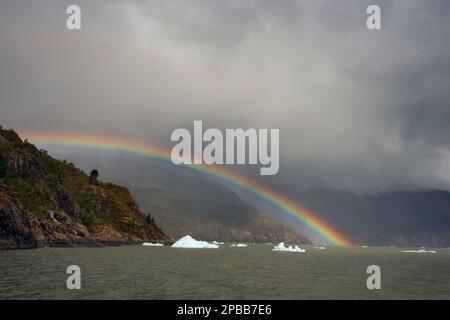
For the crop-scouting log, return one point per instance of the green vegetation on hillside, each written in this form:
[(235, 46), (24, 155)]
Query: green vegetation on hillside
[(43, 185)]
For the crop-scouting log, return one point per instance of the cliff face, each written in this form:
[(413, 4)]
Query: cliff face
[(47, 202)]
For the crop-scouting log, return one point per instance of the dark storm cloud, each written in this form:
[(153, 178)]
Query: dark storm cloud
[(357, 110)]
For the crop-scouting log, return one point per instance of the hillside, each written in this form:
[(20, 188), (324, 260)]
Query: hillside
[(212, 212), (47, 202), (184, 201)]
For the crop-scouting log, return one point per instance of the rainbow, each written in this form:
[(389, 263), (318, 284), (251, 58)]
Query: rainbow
[(289, 207)]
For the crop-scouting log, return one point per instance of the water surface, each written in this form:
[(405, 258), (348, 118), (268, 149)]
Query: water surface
[(254, 272)]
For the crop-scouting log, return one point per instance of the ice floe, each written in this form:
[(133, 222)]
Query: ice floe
[(282, 248), (320, 248), (216, 242), (189, 242), (238, 245), (419, 251), (150, 244)]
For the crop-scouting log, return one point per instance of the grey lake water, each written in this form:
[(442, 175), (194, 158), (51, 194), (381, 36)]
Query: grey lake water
[(254, 272)]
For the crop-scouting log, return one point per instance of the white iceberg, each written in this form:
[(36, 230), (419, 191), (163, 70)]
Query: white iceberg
[(419, 251), (215, 242), (282, 248), (150, 244), (320, 248), (239, 245), (189, 242)]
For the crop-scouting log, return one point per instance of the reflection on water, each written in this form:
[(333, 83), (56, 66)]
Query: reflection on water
[(255, 272)]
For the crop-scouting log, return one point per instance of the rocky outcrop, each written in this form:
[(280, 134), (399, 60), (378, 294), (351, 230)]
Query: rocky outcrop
[(15, 227), (47, 202), (17, 158)]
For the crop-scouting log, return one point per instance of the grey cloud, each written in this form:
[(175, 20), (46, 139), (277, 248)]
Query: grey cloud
[(357, 110)]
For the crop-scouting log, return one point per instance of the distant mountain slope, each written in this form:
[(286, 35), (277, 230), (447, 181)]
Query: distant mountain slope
[(47, 202), (407, 218), (211, 212)]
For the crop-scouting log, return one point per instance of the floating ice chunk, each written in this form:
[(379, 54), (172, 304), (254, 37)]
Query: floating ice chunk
[(364, 246), (239, 245), (150, 244), (189, 242), (320, 248), (282, 248), (419, 251), (215, 242)]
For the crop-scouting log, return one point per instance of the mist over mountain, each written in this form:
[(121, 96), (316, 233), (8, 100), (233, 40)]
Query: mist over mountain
[(395, 218), (398, 218)]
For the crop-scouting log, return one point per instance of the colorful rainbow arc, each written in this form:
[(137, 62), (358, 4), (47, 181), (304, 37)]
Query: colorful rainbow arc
[(269, 196)]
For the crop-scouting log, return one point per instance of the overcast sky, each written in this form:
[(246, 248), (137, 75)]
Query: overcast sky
[(357, 110)]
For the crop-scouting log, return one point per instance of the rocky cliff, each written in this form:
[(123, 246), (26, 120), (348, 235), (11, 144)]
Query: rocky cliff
[(47, 202)]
